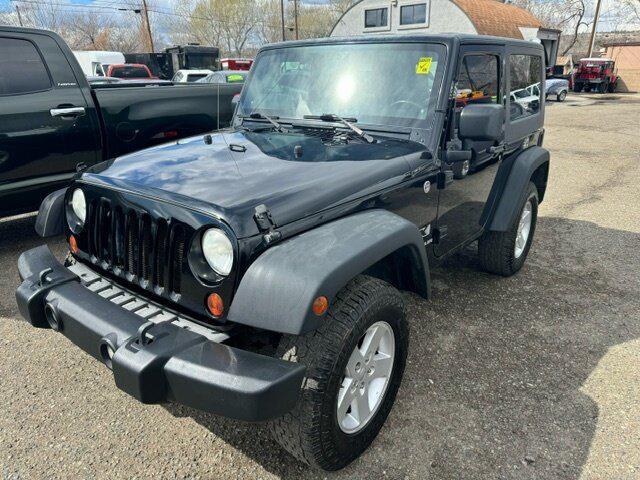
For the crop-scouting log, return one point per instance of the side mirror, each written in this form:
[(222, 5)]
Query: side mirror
[(482, 121)]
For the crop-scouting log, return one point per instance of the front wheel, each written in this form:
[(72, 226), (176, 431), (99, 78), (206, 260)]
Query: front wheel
[(504, 253), (562, 96), (355, 362)]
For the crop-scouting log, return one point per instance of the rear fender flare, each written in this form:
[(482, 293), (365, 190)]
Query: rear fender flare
[(278, 289), (522, 172)]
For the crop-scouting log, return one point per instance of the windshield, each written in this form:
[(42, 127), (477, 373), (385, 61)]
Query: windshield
[(393, 84)]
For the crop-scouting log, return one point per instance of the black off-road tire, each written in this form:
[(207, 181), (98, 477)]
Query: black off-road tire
[(310, 432), (496, 250)]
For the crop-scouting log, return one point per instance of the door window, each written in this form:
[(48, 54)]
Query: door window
[(525, 75), (477, 80), (21, 68)]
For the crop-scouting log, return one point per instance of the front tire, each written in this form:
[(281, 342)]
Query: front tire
[(504, 253), (562, 96), (351, 382)]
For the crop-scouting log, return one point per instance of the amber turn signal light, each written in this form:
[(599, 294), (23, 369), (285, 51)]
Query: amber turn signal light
[(215, 305), (73, 244), (320, 305)]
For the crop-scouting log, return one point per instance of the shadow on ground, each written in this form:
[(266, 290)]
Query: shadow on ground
[(493, 384)]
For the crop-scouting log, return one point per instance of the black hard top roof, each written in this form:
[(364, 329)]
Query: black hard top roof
[(446, 38)]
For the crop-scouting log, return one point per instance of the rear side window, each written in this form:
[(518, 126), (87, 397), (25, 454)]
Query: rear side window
[(477, 80), (376, 17), (21, 68), (525, 75)]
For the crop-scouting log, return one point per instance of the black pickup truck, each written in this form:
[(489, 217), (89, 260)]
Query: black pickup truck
[(52, 121), (256, 272)]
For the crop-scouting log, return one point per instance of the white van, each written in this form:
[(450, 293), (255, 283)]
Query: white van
[(96, 62)]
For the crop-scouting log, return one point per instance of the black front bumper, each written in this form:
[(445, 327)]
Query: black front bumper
[(159, 362)]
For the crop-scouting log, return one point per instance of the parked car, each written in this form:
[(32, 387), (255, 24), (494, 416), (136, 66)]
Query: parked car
[(557, 87), (526, 98), (225, 76), (598, 74), (130, 71), (53, 122), (236, 63), (96, 62), (189, 76), (256, 273)]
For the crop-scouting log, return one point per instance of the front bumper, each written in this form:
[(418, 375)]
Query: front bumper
[(155, 362)]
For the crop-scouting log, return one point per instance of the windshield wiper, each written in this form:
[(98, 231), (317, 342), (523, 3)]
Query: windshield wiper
[(271, 120), (332, 117)]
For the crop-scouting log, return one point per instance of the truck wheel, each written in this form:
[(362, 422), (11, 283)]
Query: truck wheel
[(577, 87), (461, 169), (355, 362), (504, 253), (562, 96)]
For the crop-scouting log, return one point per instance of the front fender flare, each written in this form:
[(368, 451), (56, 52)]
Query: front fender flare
[(277, 291), (522, 170), (51, 215)]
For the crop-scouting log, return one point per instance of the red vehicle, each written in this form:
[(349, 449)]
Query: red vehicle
[(130, 71), (236, 63), (597, 74)]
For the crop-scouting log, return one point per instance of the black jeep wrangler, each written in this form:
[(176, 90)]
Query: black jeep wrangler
[(257, 272)]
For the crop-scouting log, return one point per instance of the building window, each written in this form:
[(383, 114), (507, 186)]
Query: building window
[(413, 14), (525, 77), (376, 17)]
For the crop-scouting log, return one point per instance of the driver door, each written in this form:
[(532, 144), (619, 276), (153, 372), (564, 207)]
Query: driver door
[(462, 201)]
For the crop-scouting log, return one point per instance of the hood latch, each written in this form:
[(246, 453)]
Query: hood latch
[(266, 225)]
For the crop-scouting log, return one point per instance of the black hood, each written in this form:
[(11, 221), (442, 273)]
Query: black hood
[(293, 174)]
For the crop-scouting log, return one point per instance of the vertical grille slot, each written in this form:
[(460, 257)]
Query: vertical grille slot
[(145, 247), (160, 253), (118, 237), (131, 240), (177, 255)]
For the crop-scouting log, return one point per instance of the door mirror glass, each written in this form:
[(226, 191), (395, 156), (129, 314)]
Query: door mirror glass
[(482, 121)]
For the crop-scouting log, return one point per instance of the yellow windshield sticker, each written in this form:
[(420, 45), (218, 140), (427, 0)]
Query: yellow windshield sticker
[(423, 66)]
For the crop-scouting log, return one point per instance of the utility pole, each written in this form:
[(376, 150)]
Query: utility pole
[(19, 16), (592, 40), (295, 15), (282, 18), (146, 17)]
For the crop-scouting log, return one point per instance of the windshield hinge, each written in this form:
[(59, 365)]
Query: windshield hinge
[(266, 225)]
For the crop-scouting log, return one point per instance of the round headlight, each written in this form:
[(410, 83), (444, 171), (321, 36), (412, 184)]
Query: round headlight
[(79, 205), (218, 251)]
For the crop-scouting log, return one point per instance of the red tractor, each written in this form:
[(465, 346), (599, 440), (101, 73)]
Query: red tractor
[(597, 74)]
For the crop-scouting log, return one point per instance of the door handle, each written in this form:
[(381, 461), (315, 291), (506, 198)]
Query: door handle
[(67, 112)]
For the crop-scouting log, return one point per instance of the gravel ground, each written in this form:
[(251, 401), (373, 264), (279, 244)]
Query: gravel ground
[(535, 376)]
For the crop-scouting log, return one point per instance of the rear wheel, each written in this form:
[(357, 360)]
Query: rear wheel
[(504, 253), (355, 362)]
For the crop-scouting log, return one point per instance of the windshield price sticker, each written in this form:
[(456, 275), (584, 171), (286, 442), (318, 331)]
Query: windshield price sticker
[(424, 66)]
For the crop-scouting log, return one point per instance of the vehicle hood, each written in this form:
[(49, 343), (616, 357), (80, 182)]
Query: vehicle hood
[(295, 175)]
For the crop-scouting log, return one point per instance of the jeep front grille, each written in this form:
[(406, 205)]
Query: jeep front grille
[(149, 250)]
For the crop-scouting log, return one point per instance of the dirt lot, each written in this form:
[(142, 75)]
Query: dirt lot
[(536, 376)]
